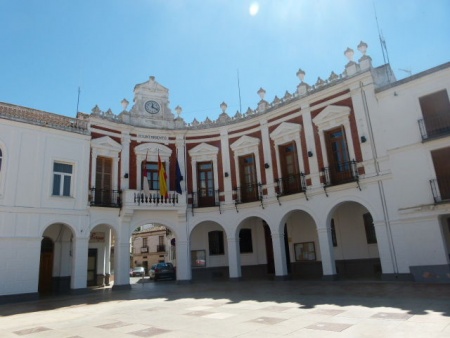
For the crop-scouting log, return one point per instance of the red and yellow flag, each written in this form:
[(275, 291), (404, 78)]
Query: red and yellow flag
[(162, 179)]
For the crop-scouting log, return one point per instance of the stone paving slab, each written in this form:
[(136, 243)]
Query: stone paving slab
[(237, 309)]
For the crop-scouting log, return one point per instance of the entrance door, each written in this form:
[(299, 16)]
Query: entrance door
[(92, 267), (338, 158), (269, 249), (442, 168), (205, 181), (289, 169), (46, 266), (286, 249), (103, 179), (249, 186)]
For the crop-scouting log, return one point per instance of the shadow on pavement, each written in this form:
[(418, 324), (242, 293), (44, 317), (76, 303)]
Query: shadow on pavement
[(413, 298)]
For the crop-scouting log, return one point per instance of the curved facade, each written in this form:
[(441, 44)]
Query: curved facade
[(331, 181)]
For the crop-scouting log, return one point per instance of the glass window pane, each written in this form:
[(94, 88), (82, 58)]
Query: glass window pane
[(62, 168), (56, 184), (66, 188)]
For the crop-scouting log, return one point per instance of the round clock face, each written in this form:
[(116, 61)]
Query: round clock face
[(152, 107)]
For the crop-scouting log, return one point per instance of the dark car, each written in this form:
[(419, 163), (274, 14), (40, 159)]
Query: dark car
[(137, 271), (162, 271)]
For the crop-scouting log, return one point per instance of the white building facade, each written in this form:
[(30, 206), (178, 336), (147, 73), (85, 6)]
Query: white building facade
[(346, 178)]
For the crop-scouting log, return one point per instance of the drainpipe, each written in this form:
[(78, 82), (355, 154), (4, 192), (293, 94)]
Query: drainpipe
[(380, 182)]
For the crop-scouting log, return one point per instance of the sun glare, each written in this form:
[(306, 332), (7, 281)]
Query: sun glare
[(254, 9)]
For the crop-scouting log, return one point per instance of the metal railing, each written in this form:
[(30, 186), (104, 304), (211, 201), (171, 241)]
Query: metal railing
[(291, 184), (440, 188), (436, 126), (341, 173), (161, 248), (144, 249), (105, 198), (155, 198), (204, 199), (248, 193)]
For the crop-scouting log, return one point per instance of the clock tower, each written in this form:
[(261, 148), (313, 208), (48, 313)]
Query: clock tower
[(151, 106)]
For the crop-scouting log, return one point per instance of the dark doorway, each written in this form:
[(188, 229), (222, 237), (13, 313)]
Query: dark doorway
[(286, 249), (46, 266), (92, 267), (269, 249)]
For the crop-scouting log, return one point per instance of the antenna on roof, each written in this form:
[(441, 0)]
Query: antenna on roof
[(78, 100), (383, 45), (239, 88)]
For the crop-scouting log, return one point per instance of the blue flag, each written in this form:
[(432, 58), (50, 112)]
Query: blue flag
[(179, 179)]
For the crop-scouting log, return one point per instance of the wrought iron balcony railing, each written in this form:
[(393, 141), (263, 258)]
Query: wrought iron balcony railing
[(155, 198), (248, 193), (433, 127), (105, 198), (204, 199), (440, 188), (291, 184), (144, 249), (341, 173), (161, 248)]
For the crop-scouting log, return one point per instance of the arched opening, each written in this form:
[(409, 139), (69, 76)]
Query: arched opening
[(100, 266), (151, 244), (303, 257), (55, 266), (259, 262), (46, 266), (209, 252), (354, 242)]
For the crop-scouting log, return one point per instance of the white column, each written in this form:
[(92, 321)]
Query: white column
[(107, 256), (225, 152), (279, 254), (311, 146), (93, 168), (122, 263), (267, 146), (234, 258), (125, 161), (79, 263), (327, 253), (183, 261)]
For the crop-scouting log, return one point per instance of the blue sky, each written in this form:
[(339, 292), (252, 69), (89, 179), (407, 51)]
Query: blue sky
[(196, 47)]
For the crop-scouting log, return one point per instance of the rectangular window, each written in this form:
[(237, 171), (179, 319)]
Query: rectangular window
[(245, 241), (442, 168), (436, 113), (249, 185), (370, 229), (152, 175), (205, 181), (291, 179), (144, 242), (215, 239), (62, 179)]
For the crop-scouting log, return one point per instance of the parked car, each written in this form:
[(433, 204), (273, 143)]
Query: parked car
[(137, 271), (162, 271)]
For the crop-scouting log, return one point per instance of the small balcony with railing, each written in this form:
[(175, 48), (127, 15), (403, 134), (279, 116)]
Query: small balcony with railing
[(340, 173), (248, 193), (205, 199), (161, 248), (105, 198), (152, 200), (291, 184), (435, 126), (440, 188)]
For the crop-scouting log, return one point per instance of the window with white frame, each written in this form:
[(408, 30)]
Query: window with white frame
[(62, 179)]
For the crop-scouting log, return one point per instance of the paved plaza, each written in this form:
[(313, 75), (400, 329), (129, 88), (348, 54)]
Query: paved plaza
[(237, 309)]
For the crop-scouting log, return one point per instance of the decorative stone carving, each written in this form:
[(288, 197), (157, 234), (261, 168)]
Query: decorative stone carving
[(333, 76), (124, 104)]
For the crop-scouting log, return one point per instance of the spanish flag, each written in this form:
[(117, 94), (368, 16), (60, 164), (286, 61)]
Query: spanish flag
[(162, 179)]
